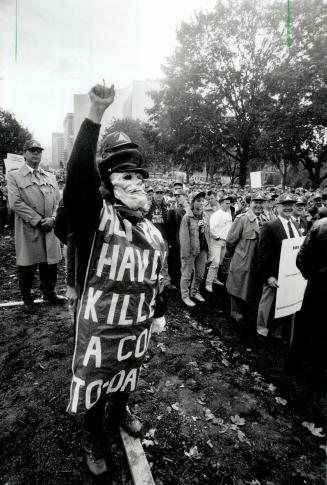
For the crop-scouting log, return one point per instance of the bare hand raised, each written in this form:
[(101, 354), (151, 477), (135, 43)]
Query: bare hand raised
[(102, 96)]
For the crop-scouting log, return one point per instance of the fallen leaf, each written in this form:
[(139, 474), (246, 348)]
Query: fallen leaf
[(225, 362), (237, 420), (193, 453), (223, 429), (195, 418), (159, 417), (150, 433), (201, 401), (244, 368), (208, 414), (280, 400), (147, 443), (323, 447), (209, 443), (271, 388), (176, 406), (240, 435), (162, 347), (313, 430)]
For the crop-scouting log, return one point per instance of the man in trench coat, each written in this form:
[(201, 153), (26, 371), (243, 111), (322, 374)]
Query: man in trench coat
[(241, 242), (33, 196)]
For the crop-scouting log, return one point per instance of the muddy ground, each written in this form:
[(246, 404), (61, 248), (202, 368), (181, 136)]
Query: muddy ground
[(218, 405)]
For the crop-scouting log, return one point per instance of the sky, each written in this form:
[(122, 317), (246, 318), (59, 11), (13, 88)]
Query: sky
[(66, 46)]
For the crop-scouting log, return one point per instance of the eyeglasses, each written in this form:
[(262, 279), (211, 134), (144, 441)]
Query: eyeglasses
[(159, 192), (34, 150)]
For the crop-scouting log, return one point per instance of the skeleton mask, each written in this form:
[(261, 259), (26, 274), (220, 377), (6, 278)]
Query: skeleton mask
[(129, 189)]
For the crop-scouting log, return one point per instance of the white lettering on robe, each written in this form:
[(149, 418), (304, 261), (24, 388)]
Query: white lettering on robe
[(92, 298), (93, 349)]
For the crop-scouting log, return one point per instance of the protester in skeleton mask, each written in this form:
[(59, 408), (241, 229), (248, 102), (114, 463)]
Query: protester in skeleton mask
[(119, 257)]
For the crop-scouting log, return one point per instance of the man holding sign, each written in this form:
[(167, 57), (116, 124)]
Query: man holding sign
[(269, 249), (119, 257)]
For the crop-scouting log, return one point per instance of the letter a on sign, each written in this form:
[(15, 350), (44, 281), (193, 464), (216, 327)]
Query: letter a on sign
[(93, 349)]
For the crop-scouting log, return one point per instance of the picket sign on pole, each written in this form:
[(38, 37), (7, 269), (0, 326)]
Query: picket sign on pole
[(138, 464)]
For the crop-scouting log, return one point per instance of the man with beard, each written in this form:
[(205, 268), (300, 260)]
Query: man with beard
[(119, 256), (242, 239), (269, 248)]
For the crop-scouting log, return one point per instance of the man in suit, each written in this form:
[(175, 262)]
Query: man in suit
[(33, 196), (298, 216), (269, 248)]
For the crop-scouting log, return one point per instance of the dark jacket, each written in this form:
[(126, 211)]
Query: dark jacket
[(158, 216), (312, 257), (269, 247)]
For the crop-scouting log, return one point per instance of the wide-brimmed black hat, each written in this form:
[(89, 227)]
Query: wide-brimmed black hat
[(120, 154)]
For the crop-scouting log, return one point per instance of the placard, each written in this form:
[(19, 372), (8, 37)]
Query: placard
[(291, 283)]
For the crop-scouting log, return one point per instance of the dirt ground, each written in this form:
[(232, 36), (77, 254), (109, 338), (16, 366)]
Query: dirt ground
[(218, 405)]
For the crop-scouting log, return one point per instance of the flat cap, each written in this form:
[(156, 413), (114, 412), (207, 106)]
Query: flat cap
[(259, 196), (285, 198), (32, 144)]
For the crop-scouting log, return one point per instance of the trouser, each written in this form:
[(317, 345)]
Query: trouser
[(196, 264), (164, 269), (48, 279), (266, 323), (93, 417), (218, 250), (174, 265)]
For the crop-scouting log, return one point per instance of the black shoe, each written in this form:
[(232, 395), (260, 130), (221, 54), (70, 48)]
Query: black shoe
[(125, 419), (93, 454), (54, 298), (130, 423)]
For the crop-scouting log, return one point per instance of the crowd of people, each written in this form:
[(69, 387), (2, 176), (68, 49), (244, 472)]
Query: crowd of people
[(128, 244)]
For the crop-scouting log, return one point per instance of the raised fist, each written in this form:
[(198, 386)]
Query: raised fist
[(102, 96)]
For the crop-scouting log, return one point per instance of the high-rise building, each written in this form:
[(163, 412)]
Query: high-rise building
[(68, 136), (58, 157), (139, 99)]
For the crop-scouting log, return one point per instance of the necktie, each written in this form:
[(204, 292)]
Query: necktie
[(290, 229)]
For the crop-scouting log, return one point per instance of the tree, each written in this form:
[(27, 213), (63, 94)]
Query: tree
[(12, 135), (295, 123), (216, 81)]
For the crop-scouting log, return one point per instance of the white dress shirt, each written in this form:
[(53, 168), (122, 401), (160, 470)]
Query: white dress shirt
[(285, 225), (220, 223)]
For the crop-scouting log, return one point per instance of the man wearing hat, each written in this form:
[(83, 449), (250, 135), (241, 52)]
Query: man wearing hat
[(220, 223), (119, 257), (157, 214), (33, 196), (242, 239), (269, 248), (298, 216)]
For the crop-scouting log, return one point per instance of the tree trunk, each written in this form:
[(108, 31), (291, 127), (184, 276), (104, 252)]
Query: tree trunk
[(242, 171)]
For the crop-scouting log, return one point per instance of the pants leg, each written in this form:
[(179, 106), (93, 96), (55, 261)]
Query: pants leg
[(218, 250), (48, 277), (199, 270), (265, 305), (237, 308), (164, 269), (26, 280), (187, 268)]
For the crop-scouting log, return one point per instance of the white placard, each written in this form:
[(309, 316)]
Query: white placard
[(291, 283), (255, 178), (13, 161)]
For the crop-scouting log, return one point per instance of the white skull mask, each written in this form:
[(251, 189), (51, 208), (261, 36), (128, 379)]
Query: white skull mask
[(129, 189)]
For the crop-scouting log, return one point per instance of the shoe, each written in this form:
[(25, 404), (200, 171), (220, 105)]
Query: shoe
[(198, 297), (217, 282), (93, 454), (129, 422), (54, 298), (170, 287), (188, 301), (209, 288)]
